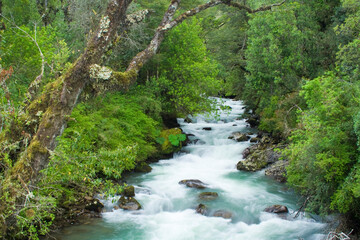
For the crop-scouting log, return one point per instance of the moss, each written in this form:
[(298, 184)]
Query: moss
[(167, 147), (123, 78)]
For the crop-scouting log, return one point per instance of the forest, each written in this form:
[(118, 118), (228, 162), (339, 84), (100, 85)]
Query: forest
[(89, 91)]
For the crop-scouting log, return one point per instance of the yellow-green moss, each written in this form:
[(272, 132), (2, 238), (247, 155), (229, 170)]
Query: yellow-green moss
[(123, 78), (167, 147)]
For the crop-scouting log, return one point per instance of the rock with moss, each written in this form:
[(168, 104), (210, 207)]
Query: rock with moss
[(258, 160), (171, 140), (278, 170), (143, 167), (128, 191), (201, 209), (239, 137), (130, 204), (208, 195)]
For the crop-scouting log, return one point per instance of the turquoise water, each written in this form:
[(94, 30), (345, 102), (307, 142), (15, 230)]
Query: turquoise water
[(169, 208)]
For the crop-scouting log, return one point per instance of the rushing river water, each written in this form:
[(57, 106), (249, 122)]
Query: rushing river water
[(169, 208)]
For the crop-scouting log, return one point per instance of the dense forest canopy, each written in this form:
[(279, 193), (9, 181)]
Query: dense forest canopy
[(83, 80)]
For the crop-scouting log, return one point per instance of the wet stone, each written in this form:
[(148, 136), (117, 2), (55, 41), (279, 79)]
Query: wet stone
[(223, 213), (130, 204), (193, 183), (276, 209), (208, 195), (201, 209), (94, 205)]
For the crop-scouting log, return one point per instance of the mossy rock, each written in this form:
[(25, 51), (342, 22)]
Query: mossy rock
[(143, 167), (201, 209), (166, 146), (128, 191), (255, 162), (130, 204), (208, 195)]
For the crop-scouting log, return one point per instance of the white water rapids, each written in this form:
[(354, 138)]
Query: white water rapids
[(168, 208)]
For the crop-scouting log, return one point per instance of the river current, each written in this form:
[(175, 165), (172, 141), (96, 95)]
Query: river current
[(168, 208)]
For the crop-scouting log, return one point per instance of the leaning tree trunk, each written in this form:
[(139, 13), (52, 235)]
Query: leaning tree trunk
[(55, 105)]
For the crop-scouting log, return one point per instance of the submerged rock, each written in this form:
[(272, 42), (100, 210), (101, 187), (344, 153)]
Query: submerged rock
[(238, 136), (208, 195), (94, 205), (193, 183), (130, 204), (201, 209), (207, 128), (223, 213), (278, 170), (277, 209)]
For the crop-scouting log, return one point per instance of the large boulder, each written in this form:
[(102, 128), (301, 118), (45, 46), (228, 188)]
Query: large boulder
[(239, 137), (193, 183), (130, 204), (223, 214), (208, 195), (258, 156), (277, 209), (277, 170)]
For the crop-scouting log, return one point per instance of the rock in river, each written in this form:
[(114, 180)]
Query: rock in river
[(128, 191), (129, 204), (278, 170), (276, 209), (193, 183), (202, 209), (238, 136), (208, 195), (223, 214)]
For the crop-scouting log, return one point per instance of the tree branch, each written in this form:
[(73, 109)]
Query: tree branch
[(167, 23), (249, 10)]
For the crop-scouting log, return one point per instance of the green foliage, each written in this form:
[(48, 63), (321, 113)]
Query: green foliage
[(275, 52), (176, 139), (105, 137), (22, 12), (323, 152), (20, 52), (187, 74)]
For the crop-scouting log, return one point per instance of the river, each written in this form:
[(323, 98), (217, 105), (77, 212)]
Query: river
[(168, 211)]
